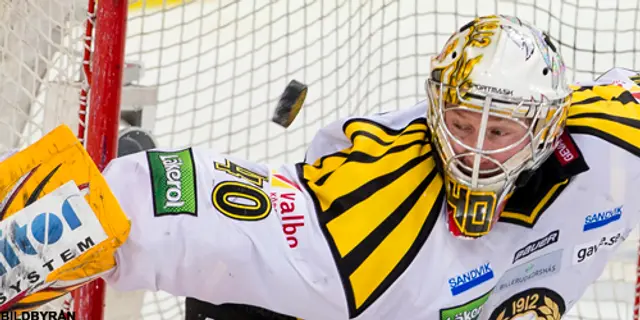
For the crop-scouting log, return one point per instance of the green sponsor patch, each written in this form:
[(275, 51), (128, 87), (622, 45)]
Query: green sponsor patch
[(468, 311), (173, 179)]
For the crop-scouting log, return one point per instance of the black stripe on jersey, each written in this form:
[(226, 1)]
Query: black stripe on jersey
[(377, 205), (323, 179), (592, 94), (320, 162), (338, 158), (624, 97), (613, 115), (362, 252), (635, 123), (354, 258), (527, 204), (613, 139), (588, 101), (357, 156), (361, 124), (345, 202), (582, 88), (363, 133)]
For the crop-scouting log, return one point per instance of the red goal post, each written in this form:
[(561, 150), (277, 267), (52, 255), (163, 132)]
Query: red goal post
[(103, 70)]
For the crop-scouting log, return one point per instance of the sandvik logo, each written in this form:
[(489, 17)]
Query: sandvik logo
[(597, 220), (470, 279)]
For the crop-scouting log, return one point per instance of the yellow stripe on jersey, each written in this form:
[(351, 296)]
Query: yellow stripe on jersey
[(372, 212), (375, 133), (609, 112), (377, 202), (361, 163), (589, 94)]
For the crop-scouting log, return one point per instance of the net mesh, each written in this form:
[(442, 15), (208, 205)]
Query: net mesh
[(40, 42), (221, 65)]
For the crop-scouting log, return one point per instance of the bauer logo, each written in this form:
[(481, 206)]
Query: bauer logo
[(600, 219), (173, 179), (536, 245), (470, 279), (43, 237)]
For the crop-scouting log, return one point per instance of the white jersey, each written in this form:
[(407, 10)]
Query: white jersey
[(358, 231)]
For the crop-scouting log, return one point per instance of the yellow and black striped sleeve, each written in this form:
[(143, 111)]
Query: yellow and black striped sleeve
[(377, 202), (609, 112)]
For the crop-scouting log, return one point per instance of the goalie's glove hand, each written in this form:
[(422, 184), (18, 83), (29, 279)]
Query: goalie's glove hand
[(60, 224)]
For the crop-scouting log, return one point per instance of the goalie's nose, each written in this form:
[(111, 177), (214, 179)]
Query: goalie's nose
[(467, 160)]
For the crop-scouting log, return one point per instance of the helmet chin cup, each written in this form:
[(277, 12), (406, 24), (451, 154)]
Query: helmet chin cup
[(472, 213)]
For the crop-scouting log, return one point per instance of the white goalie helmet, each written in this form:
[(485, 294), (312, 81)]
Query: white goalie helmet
[(498, 101)]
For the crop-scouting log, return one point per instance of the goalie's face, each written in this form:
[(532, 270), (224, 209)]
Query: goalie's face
[(502, 138), (498, 102)]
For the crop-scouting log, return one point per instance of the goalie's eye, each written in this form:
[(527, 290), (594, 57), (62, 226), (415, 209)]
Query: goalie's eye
[(498, 132), (462, 128)]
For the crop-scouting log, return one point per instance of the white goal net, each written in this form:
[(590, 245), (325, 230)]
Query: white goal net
[(210, 72)]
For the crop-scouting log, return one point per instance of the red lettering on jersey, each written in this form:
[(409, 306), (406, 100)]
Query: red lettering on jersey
[(290, 222), (566, 151), (274, 200), (289, 196), (287, 207)]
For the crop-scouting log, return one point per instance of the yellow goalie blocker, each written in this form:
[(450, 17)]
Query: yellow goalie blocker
[(59, 222)]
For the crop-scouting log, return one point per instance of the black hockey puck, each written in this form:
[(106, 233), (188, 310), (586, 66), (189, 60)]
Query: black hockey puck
[(290, 103)]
